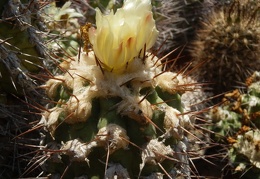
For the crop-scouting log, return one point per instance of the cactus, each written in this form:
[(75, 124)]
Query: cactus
[(21, 54), (21, 45), (226, 50), (237, 122), (225, 118), (115, 111), (239, 108)]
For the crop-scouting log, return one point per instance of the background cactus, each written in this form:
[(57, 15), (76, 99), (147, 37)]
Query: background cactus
[(237, 122), (245, 154), (21, 48), (21, 57), (117, 116), (226, 51)]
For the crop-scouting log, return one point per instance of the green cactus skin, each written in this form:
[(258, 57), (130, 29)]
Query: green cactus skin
[(226, 122), (237, 121), (227, 47), (115, 119)]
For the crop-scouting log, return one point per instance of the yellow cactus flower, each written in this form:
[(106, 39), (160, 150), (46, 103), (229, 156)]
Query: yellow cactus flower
[(121, 36)]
